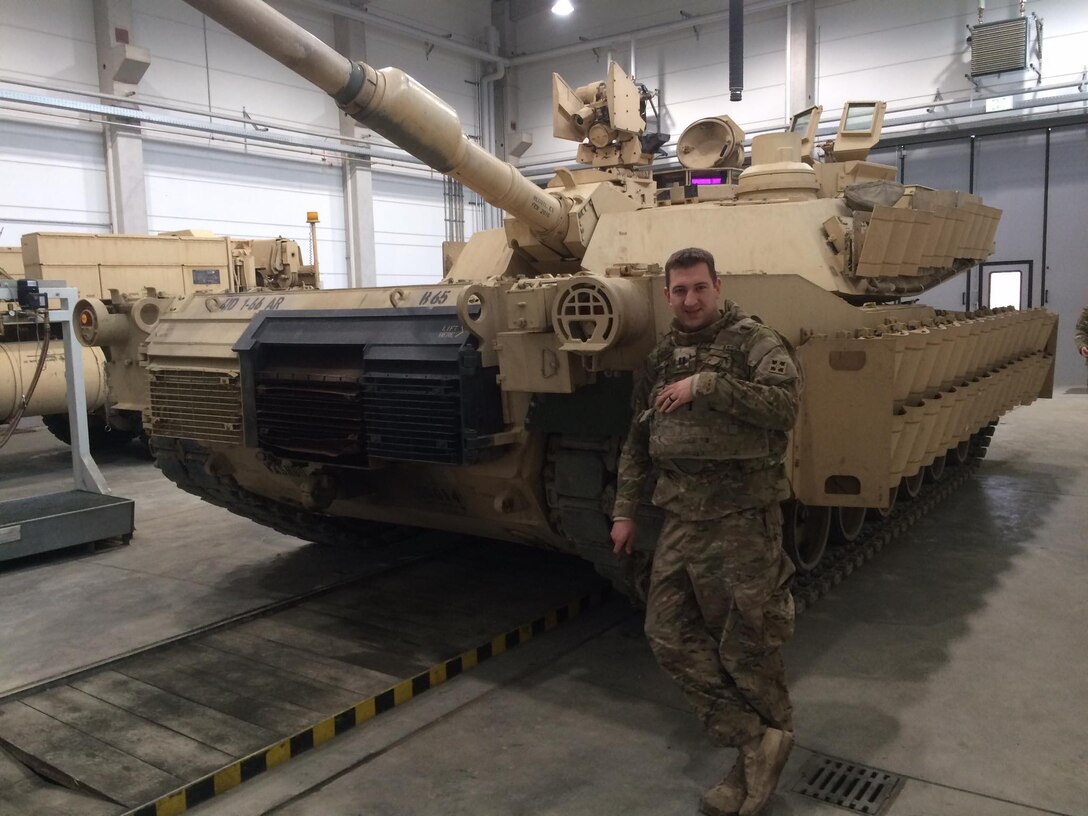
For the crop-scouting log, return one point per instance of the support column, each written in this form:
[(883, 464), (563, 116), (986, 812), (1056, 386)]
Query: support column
[(349, 39), (801, 71), (121, 66)]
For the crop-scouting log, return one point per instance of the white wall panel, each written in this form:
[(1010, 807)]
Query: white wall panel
[(892, 51), (409, 227), (248, 197), (233, 74), (464, 19), (52, 179), (49, 40)]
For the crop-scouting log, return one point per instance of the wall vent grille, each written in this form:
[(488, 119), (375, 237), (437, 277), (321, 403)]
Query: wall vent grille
[(999, 47)]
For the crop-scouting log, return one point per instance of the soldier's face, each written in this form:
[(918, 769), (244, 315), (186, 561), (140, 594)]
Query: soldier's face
[(693, 296)]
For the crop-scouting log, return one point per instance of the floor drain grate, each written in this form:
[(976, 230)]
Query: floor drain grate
[(847, 784)]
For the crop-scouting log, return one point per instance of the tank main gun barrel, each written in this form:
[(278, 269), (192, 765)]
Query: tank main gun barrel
[(391, 103)]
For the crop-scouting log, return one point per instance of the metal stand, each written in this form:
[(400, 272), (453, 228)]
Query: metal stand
[(90, 512)]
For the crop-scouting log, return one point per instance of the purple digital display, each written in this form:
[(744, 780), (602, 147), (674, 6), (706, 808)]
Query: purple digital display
[(705, 180)]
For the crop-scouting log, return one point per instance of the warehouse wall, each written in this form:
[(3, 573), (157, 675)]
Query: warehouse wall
[(1067, 245), (51, 180), (250, 196), (53, 166), (900, 52)]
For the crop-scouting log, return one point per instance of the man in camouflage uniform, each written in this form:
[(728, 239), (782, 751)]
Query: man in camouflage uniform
[(1082, 333), (712, 408)]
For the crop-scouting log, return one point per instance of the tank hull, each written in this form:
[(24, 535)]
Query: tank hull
[(889, 390), (495, 402)]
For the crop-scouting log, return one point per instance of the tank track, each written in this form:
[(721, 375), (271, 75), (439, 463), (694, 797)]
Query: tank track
[(841, 560), (184, 462), (630, 575), (576, 509)]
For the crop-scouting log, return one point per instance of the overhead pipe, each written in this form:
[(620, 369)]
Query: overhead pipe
[(736, 50)]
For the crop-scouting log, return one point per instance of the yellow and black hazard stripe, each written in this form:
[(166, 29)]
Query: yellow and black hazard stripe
[(260, 761)]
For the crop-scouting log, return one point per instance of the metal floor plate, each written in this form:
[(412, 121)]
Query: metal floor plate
[(848, 784)]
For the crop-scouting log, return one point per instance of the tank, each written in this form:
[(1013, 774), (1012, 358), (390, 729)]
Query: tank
[(494, 402), (125, 274)]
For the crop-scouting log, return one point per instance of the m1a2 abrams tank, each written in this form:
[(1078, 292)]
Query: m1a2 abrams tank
[(126, 275), (494, 402)]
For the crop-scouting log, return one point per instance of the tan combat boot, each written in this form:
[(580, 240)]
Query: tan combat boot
[(764, 759), (725, 798)]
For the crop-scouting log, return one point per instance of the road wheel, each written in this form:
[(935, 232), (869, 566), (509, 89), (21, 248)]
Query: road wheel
[(846, 524), (805, 531)]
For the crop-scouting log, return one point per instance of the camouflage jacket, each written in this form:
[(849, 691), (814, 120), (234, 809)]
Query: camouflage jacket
[(724, 452), (1082, 329)]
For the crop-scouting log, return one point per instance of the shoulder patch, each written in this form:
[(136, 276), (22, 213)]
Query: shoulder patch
[(779, 366)]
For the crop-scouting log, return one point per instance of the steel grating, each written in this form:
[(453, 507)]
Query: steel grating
[(413, 418), (196, 404), (848, 784)]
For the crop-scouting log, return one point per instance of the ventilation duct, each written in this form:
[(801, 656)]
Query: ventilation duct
[(999, 47), (736, 49)]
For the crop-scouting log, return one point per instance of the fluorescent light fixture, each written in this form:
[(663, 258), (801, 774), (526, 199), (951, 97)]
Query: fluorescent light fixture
[(562, 7)]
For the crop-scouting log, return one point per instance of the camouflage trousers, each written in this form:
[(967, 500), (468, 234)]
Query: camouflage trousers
[(718, 611)]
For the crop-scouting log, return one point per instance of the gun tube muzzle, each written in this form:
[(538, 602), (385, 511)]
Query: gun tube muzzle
[(392, 104)]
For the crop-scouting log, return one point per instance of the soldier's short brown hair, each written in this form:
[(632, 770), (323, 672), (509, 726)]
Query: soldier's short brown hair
[(687, 258)]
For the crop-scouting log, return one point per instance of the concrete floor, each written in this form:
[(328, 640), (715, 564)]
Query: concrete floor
[(190, 564), (958, 658)]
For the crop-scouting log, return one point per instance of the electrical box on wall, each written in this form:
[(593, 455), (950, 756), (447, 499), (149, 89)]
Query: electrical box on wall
[(999, 47)]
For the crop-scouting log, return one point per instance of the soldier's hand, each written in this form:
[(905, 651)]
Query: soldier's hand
[(623, 536), (674, 395), (1084, 351)]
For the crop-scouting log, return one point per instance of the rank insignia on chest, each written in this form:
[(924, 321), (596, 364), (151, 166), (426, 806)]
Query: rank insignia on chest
[(683, 356)]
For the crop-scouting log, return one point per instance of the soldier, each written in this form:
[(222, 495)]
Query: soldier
[(1082, 333), (712, 408)]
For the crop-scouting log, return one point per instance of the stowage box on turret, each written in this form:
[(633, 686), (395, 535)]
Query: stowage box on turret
[(495, 402)]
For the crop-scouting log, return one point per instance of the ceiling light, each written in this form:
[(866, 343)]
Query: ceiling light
[(562, 7)]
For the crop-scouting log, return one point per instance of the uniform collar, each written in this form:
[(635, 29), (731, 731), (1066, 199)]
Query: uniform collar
[(728, 315)]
